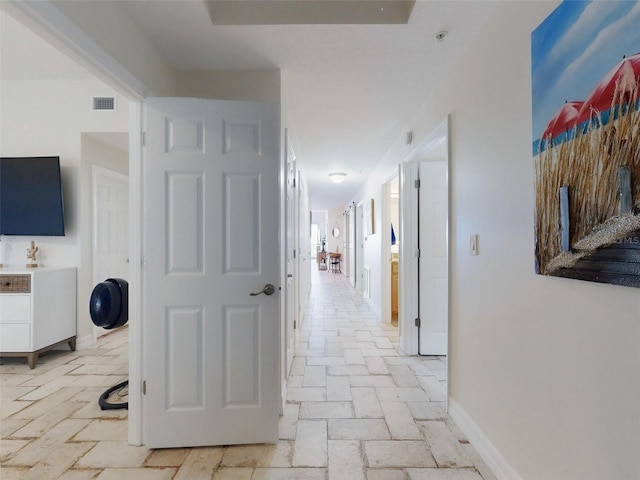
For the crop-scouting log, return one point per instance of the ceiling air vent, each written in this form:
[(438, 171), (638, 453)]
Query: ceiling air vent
[(104, 103)]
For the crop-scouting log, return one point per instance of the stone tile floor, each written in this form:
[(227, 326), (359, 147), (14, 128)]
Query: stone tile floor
[(357, 409)]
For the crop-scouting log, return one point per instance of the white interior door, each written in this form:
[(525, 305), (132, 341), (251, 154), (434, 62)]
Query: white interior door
[(359, 248), (290, 297), (110, 227), (352, 245), (304, 250), (434, 265), (408, 257), (210, 238), (110, 224)]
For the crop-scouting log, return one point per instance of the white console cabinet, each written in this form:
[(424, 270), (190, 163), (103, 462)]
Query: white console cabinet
[(37, 311)]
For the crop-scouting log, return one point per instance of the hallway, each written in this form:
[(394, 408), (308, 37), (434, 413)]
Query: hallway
[(381, 414), (357, 410)]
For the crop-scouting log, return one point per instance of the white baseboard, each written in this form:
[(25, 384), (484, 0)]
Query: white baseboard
[(373, 307), (487, 451), (283, 397)]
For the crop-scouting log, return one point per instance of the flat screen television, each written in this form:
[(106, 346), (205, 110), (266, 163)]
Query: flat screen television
[(31, 196)]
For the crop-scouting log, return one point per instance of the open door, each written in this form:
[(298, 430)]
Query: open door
[(434, 258), (211, 326), (424, 247), (292, 229)]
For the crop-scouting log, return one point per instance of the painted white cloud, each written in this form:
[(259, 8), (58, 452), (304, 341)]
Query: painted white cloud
[(621, 37), (617, 39)]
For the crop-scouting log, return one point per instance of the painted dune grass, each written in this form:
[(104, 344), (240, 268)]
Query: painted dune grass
[(589, 165)]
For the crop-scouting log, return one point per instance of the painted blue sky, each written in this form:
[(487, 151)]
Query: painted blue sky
[(574, 48)]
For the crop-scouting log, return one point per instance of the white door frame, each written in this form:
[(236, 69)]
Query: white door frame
[(408, 278), (289, 296), (352, 244), (136, 343), (47, 21), (385, 248), (304, 254), (346, 264)]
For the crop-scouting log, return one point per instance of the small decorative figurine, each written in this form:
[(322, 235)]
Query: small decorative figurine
[(31, 255)]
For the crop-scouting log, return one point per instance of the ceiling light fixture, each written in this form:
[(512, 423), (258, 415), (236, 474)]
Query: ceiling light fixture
[(337, 177)]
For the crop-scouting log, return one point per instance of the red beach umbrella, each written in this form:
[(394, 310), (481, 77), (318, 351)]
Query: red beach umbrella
[(563, 120), (624, 76)]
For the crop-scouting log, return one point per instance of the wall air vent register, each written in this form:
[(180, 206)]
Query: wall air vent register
[(104, 103)]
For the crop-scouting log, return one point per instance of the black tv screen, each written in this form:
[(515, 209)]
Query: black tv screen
[(31, 196)]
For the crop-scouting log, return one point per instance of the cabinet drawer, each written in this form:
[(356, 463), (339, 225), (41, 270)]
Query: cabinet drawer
[(15, 308), (15, 283), (15, 337)]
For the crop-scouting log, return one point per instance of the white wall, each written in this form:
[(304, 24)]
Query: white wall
[(335, 216), (546, 368), (112, 29), (372, 257), (319, 217), (253, 85), (48, 117)]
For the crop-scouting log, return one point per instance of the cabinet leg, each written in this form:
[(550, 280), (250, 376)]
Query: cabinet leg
[(72, 344), (32, 358)]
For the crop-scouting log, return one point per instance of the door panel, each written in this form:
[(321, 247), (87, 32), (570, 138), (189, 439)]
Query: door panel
[(242, 237), (210, 238), (434, 295), (290, 248), (183, 230), (111, 232), (184, 335)]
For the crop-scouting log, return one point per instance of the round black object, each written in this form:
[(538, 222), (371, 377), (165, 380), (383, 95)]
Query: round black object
[(109, 303)]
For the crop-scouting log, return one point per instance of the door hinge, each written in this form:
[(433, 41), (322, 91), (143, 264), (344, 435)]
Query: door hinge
[(294, 324), (144, 387), (418, 322), (416, 183), (144, 139), (294, 253), (417, 253), (294, 183)]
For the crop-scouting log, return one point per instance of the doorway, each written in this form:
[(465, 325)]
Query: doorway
[(390, 249), (359, 249), (110, 202), (424, 247), (318, 239)]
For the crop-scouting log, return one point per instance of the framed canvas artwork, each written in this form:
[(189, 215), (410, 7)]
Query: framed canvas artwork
[(586, 142)]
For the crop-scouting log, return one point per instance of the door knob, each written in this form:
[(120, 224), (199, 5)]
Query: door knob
[(267, 290)]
